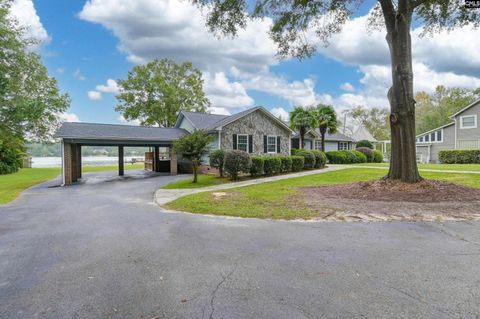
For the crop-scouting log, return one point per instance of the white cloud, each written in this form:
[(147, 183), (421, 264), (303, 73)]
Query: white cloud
[(347, 87), (110, 87), (69, 117), (122, 120), (60, 70), (225, 94), (219, 110), (78, 75), (280, 113), (94, 95), (26, 15)]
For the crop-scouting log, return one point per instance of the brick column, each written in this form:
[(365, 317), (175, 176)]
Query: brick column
[(67, 164), (173, 161), (79, 161), (74, 166)]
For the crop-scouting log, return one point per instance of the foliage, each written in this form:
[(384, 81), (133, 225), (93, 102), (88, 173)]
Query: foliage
[(346, 157), (286, 164), (365, 143), (217, 160), (377, 156), (434, 110), (320, 158), (273, 165), (326, 121), (11, 152), (374, 119), (257, 168), (359, 156), (302, 120), (237, 162), (156, 92), (459, 156), (298, 162), (368, 152), (309, 159), (194, 147)]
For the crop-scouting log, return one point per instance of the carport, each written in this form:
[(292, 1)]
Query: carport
[(75, 135)]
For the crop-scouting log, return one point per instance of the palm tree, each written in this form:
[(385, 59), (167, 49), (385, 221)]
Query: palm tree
[(326, 121), (302, 120)]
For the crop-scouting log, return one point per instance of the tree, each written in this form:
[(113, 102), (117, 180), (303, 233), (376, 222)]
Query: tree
[(434, 110), (326, 121), (302, 120), (194, 147), (295, 23), (375, 120), (217, 160), (156, 92)]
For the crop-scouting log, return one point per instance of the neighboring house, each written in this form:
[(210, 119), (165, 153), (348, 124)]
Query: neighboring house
[(362, 134), (333, 142), (462, 133), (255, 131)]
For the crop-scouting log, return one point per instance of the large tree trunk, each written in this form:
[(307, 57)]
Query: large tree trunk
[(195, 169), (403, 164)]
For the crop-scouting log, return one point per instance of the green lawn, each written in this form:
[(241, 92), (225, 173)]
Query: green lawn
[(283, 200), (203, 181), (12, 185), (451, 167)]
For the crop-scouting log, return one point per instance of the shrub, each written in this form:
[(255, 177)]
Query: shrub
[(335, 157), (294, 151), (365, 143), (377, 156), (286, 164), (320, 158), (257, 166), (368, 152), (297, 163), (359, 157), (217, 159), (272, 165), (236, 162), (309, 159), (459, 156), (346, 157), (11, 153)]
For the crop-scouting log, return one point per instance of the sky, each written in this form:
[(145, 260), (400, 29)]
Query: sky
[(88, 45)]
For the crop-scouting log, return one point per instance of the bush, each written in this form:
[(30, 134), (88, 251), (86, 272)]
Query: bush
[(272, 165), (286, 164), (309, 159), (320, 158), (365, 143), (236, 162), (11, 153), (294, 151), (359, 157), (368, 152), (377, 156), (217, 159), (346, 157), (459, 156), (298, 162), (257, 166)]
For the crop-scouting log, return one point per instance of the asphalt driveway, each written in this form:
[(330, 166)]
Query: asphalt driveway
[(105, 250)]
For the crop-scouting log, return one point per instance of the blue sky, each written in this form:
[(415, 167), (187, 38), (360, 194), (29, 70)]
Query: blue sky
[(86, 43)]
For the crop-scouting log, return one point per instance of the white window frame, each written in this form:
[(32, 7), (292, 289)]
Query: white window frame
[(468, 127), (423, 138), (343, 149), (318, 145), (246, 144), (275, 138)]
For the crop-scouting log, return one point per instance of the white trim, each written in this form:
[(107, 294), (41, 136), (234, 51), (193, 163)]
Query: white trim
[(465, 108), (455, 146), (469, 127), (340, 142), (429, 134), (246, 150), (275, 138), (435, 129)]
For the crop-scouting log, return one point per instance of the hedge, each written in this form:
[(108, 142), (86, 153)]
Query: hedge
[(346, 157), (359, 157), (272, 165), (320, 158), (297, 163), (459, 156), (368, 152), (286, 164), (257, 166), (364, 143), (309, 158), (236, 162), (377, 156)]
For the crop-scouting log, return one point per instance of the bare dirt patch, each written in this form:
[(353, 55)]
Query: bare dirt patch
[(391, 200)]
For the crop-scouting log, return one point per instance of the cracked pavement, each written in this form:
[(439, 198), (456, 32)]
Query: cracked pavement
[(106, 250)]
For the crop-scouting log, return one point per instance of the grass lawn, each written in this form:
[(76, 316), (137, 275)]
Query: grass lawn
[(204, 180), (283, 200), (12, 185), (450, 167)]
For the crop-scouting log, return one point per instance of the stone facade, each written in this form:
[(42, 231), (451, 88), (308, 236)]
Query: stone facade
[(256, 124)]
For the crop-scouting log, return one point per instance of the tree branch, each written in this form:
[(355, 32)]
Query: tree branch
[(416, 3), (388, 14)]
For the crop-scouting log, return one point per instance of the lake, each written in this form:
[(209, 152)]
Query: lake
[(86, 160)]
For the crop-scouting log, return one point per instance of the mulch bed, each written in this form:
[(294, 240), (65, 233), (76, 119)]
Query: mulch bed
[(428, 200)]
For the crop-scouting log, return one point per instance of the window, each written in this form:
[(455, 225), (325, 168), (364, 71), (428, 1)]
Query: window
[(432, 137), (427, 138), (439, 136), (469, 121), (421, 139), (318, 145), (342, 146), (271, 144), (242, 142)]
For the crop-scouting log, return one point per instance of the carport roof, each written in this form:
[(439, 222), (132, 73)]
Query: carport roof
[(95, 131)]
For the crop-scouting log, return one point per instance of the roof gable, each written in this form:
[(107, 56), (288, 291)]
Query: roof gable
[(199, 120), (476, 103), (363, 134)]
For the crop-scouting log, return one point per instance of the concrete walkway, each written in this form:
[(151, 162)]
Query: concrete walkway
[(164, 196)]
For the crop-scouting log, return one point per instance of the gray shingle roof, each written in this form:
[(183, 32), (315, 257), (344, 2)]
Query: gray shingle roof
[(203, 120), (330, 137), (231, 118), (118, 132)]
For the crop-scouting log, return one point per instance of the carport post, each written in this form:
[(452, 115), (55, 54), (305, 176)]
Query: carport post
[(120, 161), (79, 161), (156, 155), (173, 161)]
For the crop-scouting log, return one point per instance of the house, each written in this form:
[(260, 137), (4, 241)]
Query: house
[(333, 142), (462, 133), (362, 134)]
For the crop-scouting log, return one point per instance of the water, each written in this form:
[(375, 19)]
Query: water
[(86, 160)]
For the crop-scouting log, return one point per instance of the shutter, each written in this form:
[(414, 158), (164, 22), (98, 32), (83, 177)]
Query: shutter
[(265, 144), (234, 141), (250, 144), (278, 144)]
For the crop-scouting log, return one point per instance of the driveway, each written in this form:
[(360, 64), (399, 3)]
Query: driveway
[(105, 250)]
